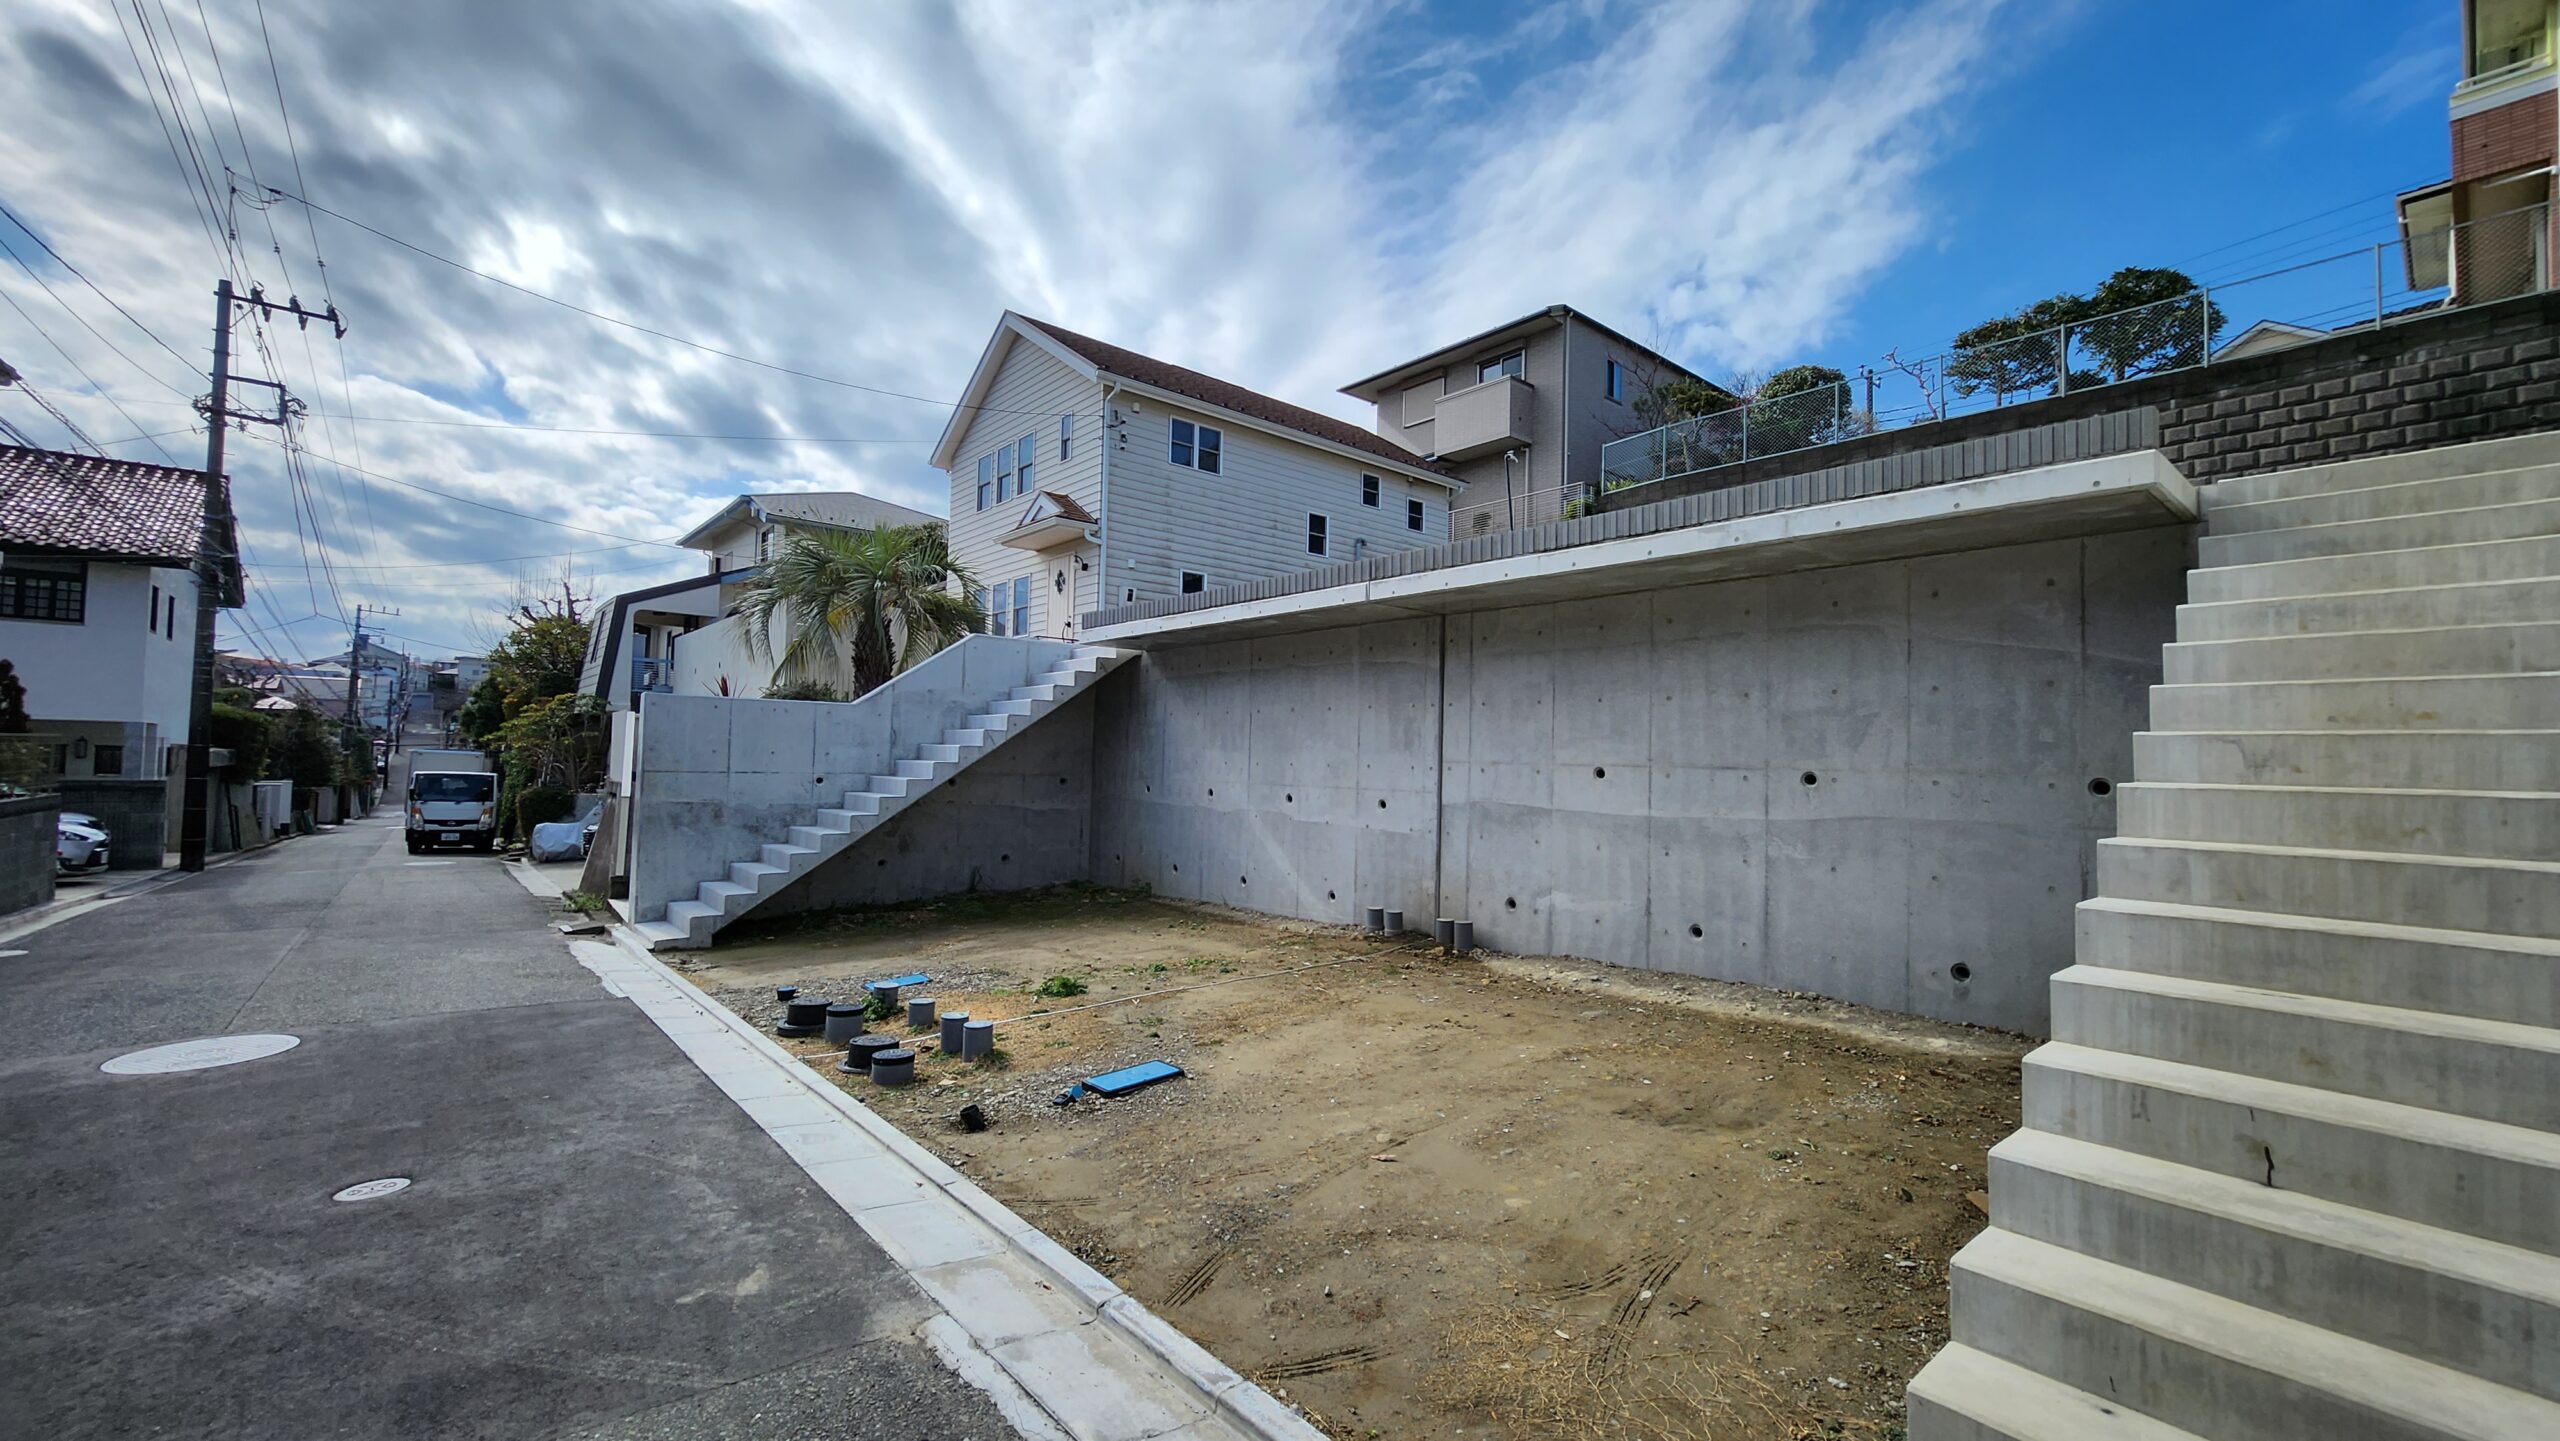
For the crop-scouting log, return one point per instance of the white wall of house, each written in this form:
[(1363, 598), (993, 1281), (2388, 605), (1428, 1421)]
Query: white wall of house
[(1032, 390), (1248, 521), (114, 677)]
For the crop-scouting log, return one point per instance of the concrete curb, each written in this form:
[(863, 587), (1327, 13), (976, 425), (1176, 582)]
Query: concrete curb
[(1229, 1397)]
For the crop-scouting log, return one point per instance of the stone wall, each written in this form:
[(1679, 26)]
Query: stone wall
[(1882, 782), (26, 850), (135, 813)]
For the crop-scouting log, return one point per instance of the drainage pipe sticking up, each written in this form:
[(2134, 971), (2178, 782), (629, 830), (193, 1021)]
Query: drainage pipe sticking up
[(844, 1022), (976, 1039), (1445, 931), (920, 1012), (1462, 936), (955, 1025), (1375, 918)]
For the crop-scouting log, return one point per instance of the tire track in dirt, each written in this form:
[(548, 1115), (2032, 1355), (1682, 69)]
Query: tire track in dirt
[(1197, 1279), (1627, 1316)]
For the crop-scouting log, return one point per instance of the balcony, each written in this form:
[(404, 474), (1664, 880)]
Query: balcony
[(1483, 419), (2496, 72), (652, 673)]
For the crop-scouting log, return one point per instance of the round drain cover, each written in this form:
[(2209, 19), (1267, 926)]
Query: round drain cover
[(373, 1190), (199, 1055)]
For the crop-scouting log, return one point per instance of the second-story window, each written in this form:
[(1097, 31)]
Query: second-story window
[(1369, 491), (1022, 483), (1617, 382), (764, 544), (1193, 582), (1498, 367), (986, 481), (1413, 515), (1315, 534), (1066, 436), (1200, 447), (1004, 471), (155, 609)]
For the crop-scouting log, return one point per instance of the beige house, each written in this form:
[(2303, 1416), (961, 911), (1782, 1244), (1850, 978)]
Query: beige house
[(1519, 412), (1084, 474)]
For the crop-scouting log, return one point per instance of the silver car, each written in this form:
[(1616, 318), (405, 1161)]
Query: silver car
[(80, 844)]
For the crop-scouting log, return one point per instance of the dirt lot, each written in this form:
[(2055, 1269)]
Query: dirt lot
[(1421, 1197)]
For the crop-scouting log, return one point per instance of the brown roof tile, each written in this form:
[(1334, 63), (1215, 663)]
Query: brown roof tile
[(54, 500), (1209, 390)]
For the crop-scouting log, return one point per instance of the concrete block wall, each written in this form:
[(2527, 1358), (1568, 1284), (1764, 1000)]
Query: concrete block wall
[(27, 850), (716, 778), (135, 813), (1625, 778)]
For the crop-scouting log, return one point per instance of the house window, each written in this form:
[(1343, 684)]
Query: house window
[(986, 481), (155, 608), (1413, 515), (171, 617), (1022, 605), (1029, 447), (1200, 447), (108, 761), (1498, 367), (1004, 471), (1617, 382), (1315, 535), (36, 589), (1369, 491), (991, 601), (1066, 436), (764, 544), (1193, 582)]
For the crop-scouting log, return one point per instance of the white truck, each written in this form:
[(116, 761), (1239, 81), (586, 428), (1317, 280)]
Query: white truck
[(453, 800)]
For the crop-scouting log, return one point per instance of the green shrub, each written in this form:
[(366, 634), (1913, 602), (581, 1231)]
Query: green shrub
[(541, 804), (806, 690), (1060, 987), (248, 735)]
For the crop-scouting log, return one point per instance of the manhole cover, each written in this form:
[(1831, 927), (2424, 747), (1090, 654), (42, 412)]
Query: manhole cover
[(373, 1190), (199, 1055)]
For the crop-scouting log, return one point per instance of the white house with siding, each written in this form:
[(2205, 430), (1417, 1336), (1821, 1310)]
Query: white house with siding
[(1084, 474)]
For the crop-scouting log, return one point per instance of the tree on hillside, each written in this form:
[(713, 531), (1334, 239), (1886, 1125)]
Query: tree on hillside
[(857, 607), (483, 712), (2015, 354), (2139, 321)]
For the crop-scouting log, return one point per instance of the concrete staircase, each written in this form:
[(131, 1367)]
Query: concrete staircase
[(690, 925), (2291, 1163)]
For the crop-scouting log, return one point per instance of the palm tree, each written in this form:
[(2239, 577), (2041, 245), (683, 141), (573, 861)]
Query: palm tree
[(861, 605)]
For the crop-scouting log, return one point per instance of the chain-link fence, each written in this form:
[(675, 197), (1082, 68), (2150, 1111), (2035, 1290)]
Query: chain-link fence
[(2491, 258)]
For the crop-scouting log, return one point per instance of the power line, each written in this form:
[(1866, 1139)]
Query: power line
[(609, 430), (74, 272), (100, 390), (634, 325), (500, 509), (65, 305)]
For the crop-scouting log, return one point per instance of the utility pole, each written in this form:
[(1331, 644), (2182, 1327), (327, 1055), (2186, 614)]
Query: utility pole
[(355, 668), (193, 829)]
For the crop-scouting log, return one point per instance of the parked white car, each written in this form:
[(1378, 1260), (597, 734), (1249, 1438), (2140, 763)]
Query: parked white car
[(80, 844)]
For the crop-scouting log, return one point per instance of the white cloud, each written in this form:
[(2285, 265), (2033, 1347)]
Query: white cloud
[(1287, 195)]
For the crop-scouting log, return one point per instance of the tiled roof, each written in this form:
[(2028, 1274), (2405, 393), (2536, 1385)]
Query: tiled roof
[(846, 509), (52, 500), (1209, 390)]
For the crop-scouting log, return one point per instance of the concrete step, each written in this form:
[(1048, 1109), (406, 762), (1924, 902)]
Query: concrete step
[(2390, 532), (2482, 1178), (865, 804), (788, 858), (2508, 649), (718, 894), (755, 875), (991, 725), (661, 935), (892, 786), (2408, 497), (2188, 1357), (2460, 973), (2528, 557), (2406, 759), (974, 738), (1969, 1395), (1014, 707), (2497, 602), (1036, 694), (2459, 1301), (946, 753), (923, 770), (2458, 893), (2468, 458), (2444, 702), (2508, 825), (2490, 1070), (816, 838), (689, 916), (835, 819)]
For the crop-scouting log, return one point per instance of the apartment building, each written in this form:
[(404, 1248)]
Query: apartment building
[(2485, 231), (1085, 474), (1520, 411)]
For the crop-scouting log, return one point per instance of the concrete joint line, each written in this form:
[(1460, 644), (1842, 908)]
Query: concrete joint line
[(945, 1223)]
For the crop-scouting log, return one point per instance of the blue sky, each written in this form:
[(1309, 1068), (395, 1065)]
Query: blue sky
[(1288, 196)]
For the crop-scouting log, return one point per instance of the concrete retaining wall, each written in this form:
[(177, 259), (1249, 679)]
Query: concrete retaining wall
[(1624, 778), (716, 778), (27, 850)]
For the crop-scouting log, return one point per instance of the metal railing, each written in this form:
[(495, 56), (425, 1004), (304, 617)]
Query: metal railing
[(2491, 258), (649, 673)]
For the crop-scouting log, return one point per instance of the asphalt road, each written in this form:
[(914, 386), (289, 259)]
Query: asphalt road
[(596, 1244)]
